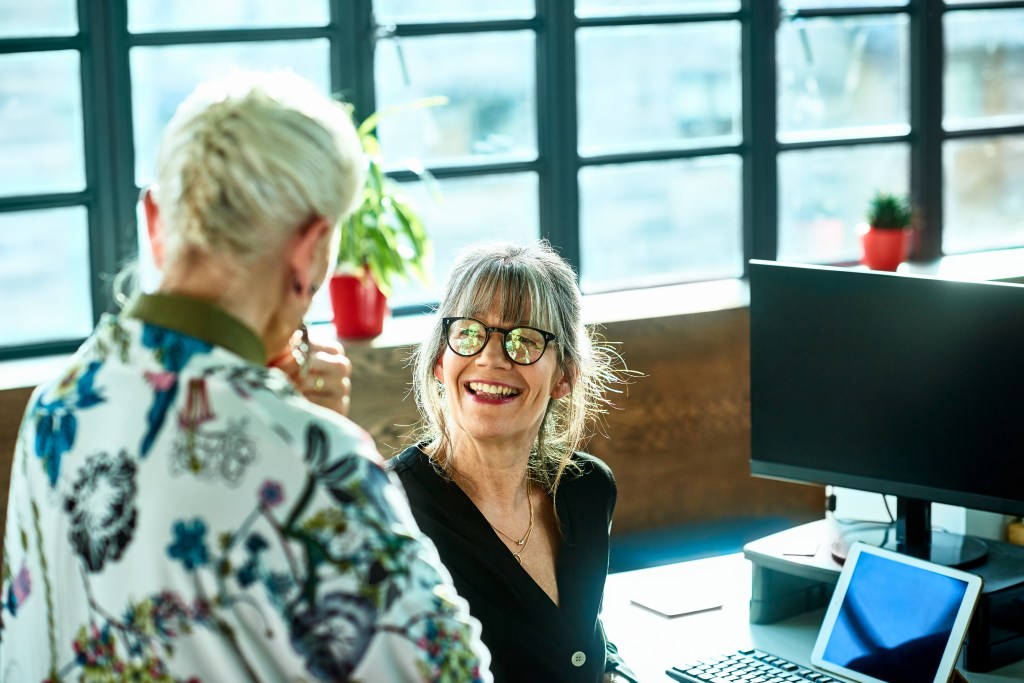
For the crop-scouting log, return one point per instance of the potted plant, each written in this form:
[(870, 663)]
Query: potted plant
[(382, 241), (885, 237)]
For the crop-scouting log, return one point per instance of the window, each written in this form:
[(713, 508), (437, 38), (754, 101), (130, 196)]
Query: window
[(875, 94), (660, 133), (983, 162), (45, 240), (653, 141)]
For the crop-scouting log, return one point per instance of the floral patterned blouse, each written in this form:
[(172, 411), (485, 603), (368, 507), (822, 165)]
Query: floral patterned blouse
[(179, 513)]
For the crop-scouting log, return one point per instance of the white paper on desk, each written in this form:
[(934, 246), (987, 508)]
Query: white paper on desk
[(678, 604)]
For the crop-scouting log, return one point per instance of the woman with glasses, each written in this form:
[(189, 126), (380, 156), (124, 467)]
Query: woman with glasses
[(508, 383)]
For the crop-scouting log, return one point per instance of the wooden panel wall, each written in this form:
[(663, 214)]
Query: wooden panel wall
[(679, 444)]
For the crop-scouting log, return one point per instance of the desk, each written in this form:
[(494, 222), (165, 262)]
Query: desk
[(650, 643)]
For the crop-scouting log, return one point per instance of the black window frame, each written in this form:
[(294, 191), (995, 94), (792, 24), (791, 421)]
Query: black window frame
[(111, 193)]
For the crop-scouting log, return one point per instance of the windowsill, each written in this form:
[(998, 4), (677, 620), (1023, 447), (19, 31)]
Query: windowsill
[(986, 265), (639, 304), (408, 330), (28, 372), (704, 297)]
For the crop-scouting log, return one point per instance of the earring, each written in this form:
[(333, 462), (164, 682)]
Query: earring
[(297, 286)]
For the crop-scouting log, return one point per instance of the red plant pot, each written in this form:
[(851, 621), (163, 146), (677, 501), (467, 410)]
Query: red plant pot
[(885, 248), (359, 307)]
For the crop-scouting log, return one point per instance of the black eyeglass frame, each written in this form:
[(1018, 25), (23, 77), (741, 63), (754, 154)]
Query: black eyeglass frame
[(446, 324)]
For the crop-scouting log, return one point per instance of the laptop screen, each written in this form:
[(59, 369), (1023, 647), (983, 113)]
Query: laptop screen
[(897, 620)]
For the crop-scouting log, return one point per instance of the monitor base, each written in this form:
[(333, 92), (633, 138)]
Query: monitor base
[(793, 571), (950, 550)]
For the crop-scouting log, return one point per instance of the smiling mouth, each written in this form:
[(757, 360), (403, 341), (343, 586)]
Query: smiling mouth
[(484, 390)]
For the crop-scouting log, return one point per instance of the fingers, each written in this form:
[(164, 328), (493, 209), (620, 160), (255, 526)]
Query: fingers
[(326, 379), (291, 359), (320, 371), (329, 360)]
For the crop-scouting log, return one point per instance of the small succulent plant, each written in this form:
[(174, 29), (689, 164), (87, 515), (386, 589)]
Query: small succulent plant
[(889, 211)]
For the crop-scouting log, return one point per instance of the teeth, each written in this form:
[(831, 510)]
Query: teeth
[(482, 388)]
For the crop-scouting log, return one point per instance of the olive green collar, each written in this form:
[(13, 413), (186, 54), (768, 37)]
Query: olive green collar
[(200, 319)]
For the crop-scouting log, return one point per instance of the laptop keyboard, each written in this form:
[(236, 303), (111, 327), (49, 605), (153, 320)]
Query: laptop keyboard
[(747, 666)]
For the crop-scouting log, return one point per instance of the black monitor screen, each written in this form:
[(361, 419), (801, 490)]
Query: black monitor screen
[(900, 384)]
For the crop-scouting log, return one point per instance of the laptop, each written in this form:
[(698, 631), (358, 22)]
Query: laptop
[(892, 619)]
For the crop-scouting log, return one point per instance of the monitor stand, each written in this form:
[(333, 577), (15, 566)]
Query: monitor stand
[(793, 571), (912, 535)]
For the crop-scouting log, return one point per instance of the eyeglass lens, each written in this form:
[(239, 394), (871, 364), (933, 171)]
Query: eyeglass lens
[(467, 337)]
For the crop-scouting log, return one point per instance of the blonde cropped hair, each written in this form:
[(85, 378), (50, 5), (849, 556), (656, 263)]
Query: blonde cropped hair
[(246, 160), (529, 283)]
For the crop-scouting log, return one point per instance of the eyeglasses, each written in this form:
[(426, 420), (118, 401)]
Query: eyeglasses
[(469, 336)]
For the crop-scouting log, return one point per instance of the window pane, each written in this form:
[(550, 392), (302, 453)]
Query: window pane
[(489, 81), (460, 212), (467, 210), (983, 203), (659, 222), (163, 76), (617, 8), (417, 11), (32, 18), (658, 86), (984, 77), (824, 194), (837, 74), (44, 274), (41, 123), (192, 15)]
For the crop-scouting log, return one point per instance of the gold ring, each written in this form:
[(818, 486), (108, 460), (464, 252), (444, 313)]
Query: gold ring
[(318, 385)]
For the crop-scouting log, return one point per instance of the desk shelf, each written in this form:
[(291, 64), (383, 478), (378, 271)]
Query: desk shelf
[(793, 572)]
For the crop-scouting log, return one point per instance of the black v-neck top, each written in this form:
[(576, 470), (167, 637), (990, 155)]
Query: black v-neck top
[(530, 638)]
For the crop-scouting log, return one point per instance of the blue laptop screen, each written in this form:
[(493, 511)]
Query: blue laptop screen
[(895, 621)]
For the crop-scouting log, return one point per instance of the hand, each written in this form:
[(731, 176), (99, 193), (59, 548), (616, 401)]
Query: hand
[(322, 372)]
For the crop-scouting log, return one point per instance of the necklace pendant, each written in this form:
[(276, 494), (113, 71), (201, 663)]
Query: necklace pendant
[(521, 542), (518, 559)]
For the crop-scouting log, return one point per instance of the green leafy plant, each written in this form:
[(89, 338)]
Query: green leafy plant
[(385, 235), (889, 211)]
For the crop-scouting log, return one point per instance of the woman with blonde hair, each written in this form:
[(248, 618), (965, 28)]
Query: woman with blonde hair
[(508, 383), (178, 510)]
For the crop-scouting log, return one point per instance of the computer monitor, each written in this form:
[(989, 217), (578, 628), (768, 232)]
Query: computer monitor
[(905, 385)]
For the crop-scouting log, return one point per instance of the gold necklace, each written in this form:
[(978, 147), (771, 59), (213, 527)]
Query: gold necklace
[(521, 542)]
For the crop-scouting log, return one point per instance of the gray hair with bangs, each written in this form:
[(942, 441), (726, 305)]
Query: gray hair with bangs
[(528, 284)]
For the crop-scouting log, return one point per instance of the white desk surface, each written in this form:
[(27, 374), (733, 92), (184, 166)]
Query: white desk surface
[(650, 643)]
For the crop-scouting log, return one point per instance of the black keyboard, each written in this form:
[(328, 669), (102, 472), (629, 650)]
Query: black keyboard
[(747, 666)]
